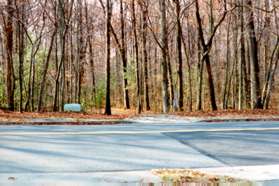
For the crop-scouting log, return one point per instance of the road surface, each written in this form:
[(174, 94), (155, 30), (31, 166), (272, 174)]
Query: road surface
[(138, 146)]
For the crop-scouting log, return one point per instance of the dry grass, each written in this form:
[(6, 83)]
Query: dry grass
[(235, 113), (6, 116), (192, 176)]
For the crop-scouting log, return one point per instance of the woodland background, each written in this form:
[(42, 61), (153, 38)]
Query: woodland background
[(158, 55)]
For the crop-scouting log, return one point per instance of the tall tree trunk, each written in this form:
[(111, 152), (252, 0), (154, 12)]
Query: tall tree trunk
[(164, 63), (90, 28), (21, 47), (173, 101), (247, 73), (72, 59), (108, 30), (179, 55), (267, 28), (62, 30), (31, 82), (62, 35), (138, 76), (273, 63), (188, 59), (45, 70), (242, 61), (210, 83), (156, 94), (145, 56), (254, 61), (200, 69), (92, 66), (227, 69), (9, 50), (2, 66), (235, 101), (206, 49), (81, 50), (123, 51)]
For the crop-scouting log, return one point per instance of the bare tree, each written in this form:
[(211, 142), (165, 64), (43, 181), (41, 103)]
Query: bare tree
[(144, 10), (254, 61), (108, 33), (9, 49), (206, 46), (138, 76), (164, 44), (179, 54)]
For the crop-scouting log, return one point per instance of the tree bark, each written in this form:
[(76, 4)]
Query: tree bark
[(254, 61), (173, 102), (164, 63), (200, 70), (123, 51), (108, 30), (9, 50), (227, 70), (21, 48), (206, 49), (144, 8), (179, 55), (138, 76), (273, 64), (45, 70), (242, 61), (62, 30), (190, 94)]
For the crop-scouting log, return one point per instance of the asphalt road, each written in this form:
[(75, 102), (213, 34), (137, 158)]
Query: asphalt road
[(137, 146)]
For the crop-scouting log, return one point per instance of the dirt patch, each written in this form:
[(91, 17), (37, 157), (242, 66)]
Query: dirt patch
[(95, 118), (182, 176), (49, 118), (235, 115)]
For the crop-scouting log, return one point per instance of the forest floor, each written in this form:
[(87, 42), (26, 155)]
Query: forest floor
[(225, 115), (7, 117), (94, 118)]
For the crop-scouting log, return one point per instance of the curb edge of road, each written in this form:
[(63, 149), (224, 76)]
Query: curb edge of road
[(93, 122), (125, 121), (237, 119)]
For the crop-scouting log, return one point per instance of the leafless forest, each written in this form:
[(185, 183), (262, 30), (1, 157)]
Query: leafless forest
[(157, 55)]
